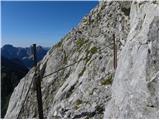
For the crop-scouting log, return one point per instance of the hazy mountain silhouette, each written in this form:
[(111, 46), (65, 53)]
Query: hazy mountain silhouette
[(23, 54)]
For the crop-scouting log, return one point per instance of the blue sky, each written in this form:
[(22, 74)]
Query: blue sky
[(43, 23)]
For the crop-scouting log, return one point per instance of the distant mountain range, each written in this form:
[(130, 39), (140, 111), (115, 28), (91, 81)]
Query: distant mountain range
[(23, 54)]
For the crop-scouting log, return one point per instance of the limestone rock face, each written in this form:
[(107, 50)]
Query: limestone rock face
[(135, 85), (90, 87)]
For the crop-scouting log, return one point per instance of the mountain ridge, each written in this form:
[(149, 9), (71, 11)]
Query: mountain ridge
[(93, 88), (24, 54)]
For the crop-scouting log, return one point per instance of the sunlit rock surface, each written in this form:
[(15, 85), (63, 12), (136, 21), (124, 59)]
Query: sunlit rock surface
[(92, 88), (135, 85)]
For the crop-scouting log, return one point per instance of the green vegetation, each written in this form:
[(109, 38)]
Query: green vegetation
[(107, 81), (86, 21), (77, 103), (80, 42), (93, 50), (89, 54), (97, 18)]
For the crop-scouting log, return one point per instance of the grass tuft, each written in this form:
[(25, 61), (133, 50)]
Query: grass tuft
[(107, 81)]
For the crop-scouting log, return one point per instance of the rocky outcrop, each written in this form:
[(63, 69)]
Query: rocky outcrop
[(135, 85), (90, 82)]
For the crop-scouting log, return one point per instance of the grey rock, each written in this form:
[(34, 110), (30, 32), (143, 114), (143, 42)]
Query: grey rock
[(92, 88), (135, 85)]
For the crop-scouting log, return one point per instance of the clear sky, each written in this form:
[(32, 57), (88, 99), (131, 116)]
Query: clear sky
[(43, 23)]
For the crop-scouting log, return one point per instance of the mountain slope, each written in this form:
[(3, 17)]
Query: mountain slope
[(12, 71), (23, 54), (83, 89)]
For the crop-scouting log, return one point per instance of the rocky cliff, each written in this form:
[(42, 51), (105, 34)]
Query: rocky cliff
[(89, 86)]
